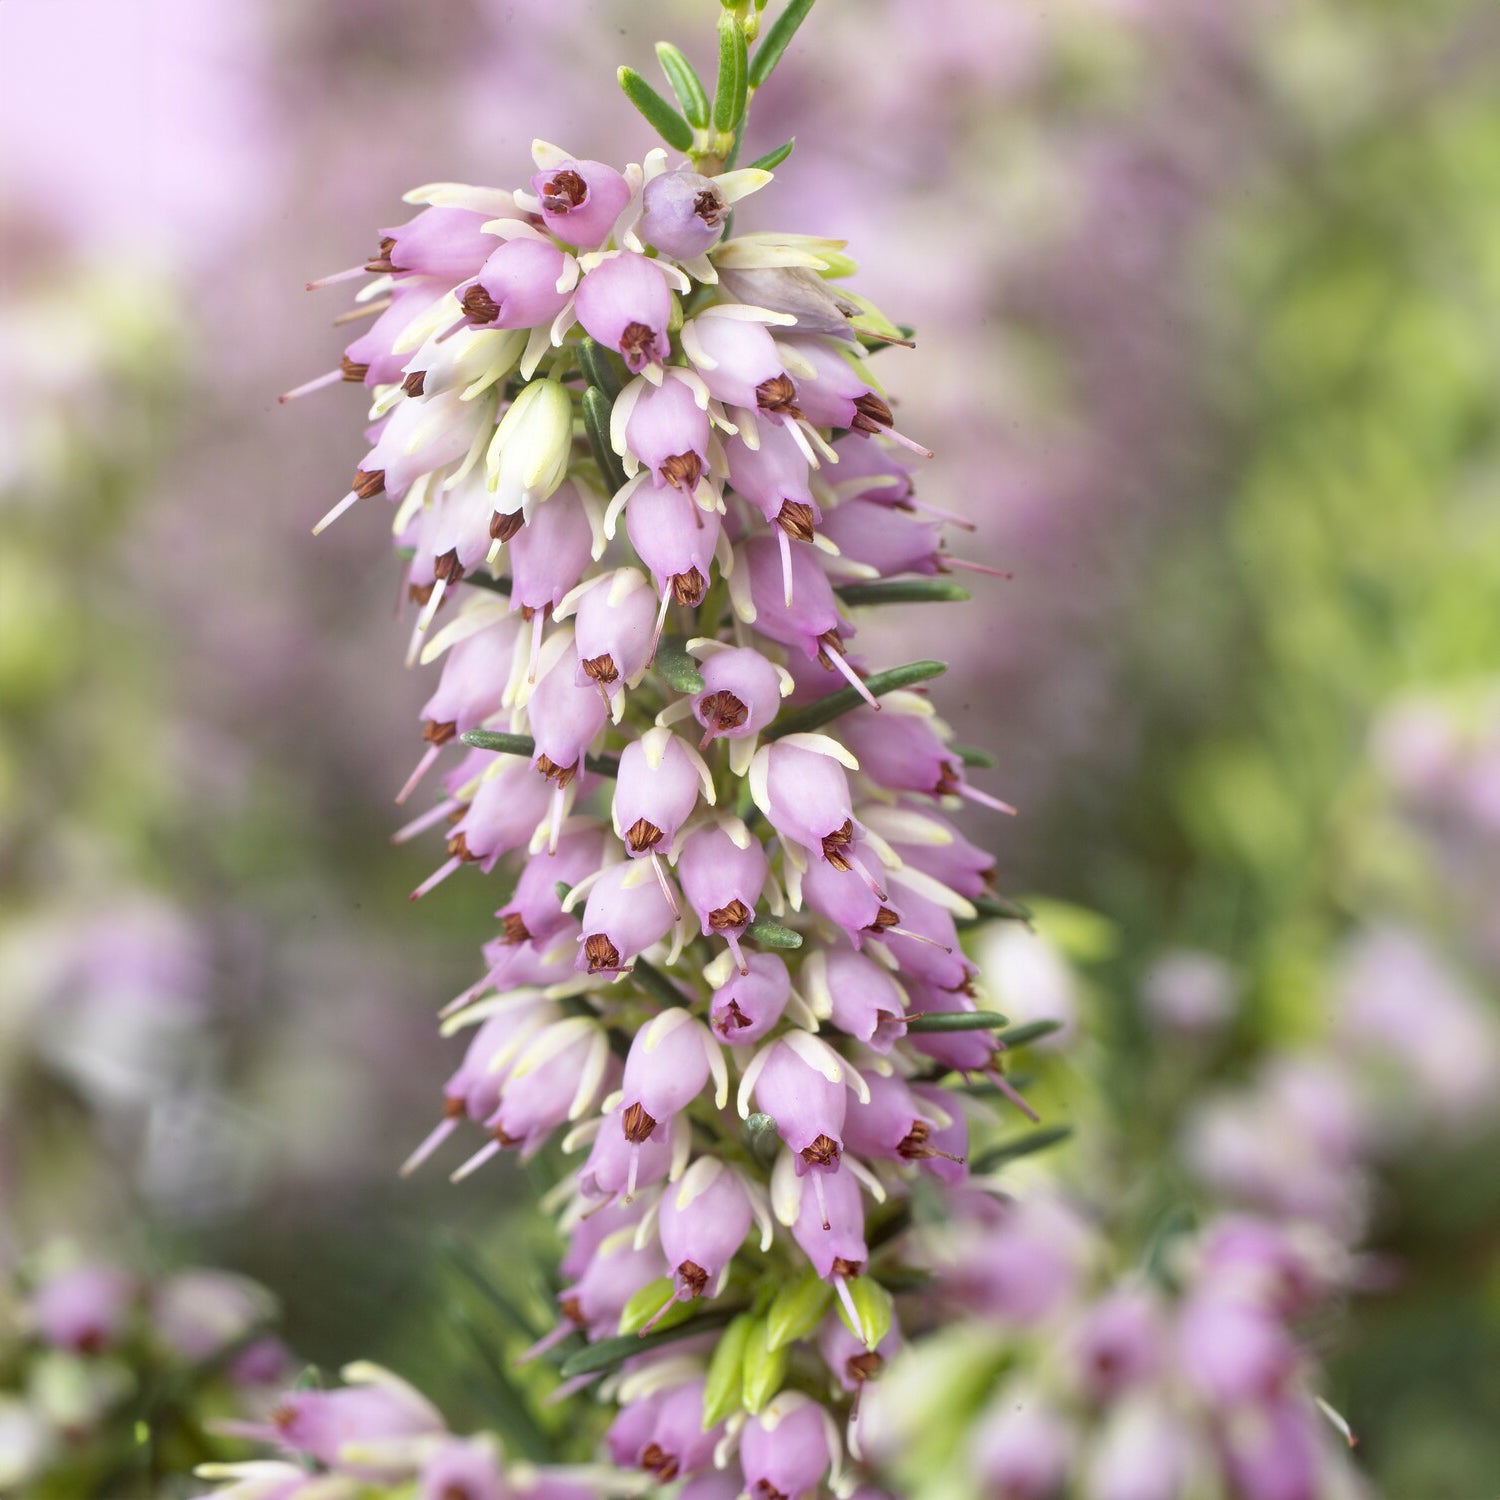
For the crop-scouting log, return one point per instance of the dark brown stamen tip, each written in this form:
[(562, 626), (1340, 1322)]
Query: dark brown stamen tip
[(601, 953), (842, 1267), (503, 528), (796, 519), (689, 588), (572, 1310), (682, 470), (414, 384), (722, 711), (637, 344), (830, 640), (600, 668), (871, 413), (549, 768), (381, 262), (778, 395), (563, 192), (736, 1020), (765, 1490), (836, 842), (694, 1278), (642, 835), (513, 928), (282, 1416), (638, 1124), (863, 1367), (352, 372), (505, 1138), (710, 207), (478, 305), (447, 567), (824, 1152), (419, 593), (438, 734), (368, 482), (736, 914), (453, 1109), (656, 1460), (948, 780), (884, 918), (458, 846)]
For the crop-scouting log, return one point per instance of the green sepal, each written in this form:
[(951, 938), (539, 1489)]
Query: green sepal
[(1030, 1031), (660, 115), (596, 409), (679, 669), (1026, 1145), (647, 1302), (734, 70), (797, 1309), (815, 715), (598, 368), (691, 95), (773, 159), (761, 1138), (608, 1353), (873, 1304), (771, 934), (764, 1369), (957, 1020), (724, 1386), (776, 40), (904, 591)]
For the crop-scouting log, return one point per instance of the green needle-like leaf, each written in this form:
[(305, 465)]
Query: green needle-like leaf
[(734, 71), (523, 744), (596, 408), (771, 934), (972, 755), (686, 84), (598, 368), (776, 41), (665, 120), (815, 715), (957, 1020), (999, 907), (608, 1353), (904, 591), (1026, 1145), (651, 978), (773, 159), (679, 669), (1031, 1031)]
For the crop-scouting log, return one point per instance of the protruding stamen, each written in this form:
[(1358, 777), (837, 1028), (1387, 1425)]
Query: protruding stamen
[(854, 679), (916, 937), (435, 1138), (785, 543), (335, 513), (983, 798), (429, 819), (1005, 1086), (424, 765), (974, 567), (487, 1152), (349, 273), (538, 621), (317, 383), (822, 1198), (666, 886), (437, 877)]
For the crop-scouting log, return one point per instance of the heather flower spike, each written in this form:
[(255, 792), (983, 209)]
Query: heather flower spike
[(632, 457)]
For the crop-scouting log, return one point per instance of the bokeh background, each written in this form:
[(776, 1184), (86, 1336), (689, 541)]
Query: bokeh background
[(1208, 299)]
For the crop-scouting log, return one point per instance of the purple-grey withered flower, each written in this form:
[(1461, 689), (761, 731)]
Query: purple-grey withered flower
[(682, 214), (624, 303)]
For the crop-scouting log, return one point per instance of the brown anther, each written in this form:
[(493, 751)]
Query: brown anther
[(381, 262), (419, 593), (352, 372), (503, 528), (513, 928), (458, 846), (796, 519), (368, 482), (765, 1490), (90, 1341), (863, 1367), (601, 953), (478, 305), (778, 395), (842, 1267), (836, 842), (736, 914), (549, 768), (504, 1137), (600, 668), (947, 783), (438, 734), (832, 641), (689, 588), (283, 1416), (572, 1310), (722, 711), (563, 191), (455, 1489), (884, 918), (682, 470), (642, 835), (824, 1152), (453, 1109), (456, 816), (914, 1145), (871, 413), (638, 1124), (447, 567), (414, 384), (694, 1278), (710, 207), (656, 1460), (637, 344), (736, 1020)]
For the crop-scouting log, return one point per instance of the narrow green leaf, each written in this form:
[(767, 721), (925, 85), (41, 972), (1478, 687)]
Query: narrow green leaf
[(651, 978), (972, 755), (646, 1303), (1032, 1031), (599, 368), (904, 591), (771, 934), (680, 669), (510, 1409), (608, 1353), (686, 84), (1025, 1145), (773, 159), (734, 69), (1000, 907), (776, 40), (723, 1389), (462, 1259), (957, 1020), (596, 408), (764, 1369), (523, 744), (660, 115), (873, 1304), (797, 1309), (761, 1138), (562, 888), (815, 715)]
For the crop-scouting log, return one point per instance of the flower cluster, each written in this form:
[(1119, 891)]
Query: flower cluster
[(729, 972), (90, 1351)]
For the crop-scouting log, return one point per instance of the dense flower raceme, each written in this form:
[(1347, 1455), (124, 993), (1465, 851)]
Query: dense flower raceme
[(87, 1349), (729, 974)]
